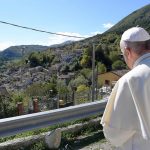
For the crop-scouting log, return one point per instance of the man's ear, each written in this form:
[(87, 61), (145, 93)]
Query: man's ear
[(128, 52)]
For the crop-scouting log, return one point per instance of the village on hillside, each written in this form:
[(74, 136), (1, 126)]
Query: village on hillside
[(67, 87)]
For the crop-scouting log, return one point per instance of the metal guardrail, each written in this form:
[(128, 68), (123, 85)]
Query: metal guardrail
[(19, 124)]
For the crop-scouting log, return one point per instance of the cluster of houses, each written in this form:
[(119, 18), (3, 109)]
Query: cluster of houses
[(20, 78), (16, 79), (107, 80)]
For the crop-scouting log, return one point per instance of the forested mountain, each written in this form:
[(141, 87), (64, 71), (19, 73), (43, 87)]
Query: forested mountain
[(14, 52), (140, 17), (111, 37)]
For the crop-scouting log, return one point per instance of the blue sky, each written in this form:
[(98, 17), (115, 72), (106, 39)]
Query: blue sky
[(73, 17)]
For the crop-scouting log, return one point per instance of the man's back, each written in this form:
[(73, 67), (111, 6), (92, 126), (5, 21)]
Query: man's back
[(139, 83), (126, 119)]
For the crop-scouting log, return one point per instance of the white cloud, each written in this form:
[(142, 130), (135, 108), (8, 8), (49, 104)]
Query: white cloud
[(6, 44), (57, 39), (52, 39), (107, 25)]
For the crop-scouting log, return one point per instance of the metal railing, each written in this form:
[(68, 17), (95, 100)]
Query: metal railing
[(19, 124)]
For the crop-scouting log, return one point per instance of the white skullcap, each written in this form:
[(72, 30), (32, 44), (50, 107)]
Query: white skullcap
[(135, 34)]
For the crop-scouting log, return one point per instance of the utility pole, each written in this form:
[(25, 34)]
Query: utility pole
[(97, 81), (93, 73)]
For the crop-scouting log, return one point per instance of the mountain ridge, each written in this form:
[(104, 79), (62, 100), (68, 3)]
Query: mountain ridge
[(140, 17), (14, 52)]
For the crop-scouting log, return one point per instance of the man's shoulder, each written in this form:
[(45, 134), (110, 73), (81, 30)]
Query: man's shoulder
[(136, 73), (127, 76)]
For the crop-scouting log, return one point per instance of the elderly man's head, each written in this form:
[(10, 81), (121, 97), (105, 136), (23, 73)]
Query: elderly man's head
[(134, 43)]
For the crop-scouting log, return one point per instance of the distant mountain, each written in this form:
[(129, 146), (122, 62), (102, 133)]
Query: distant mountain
[(19, 51), (14, 52), (61, 44), (111, 37)]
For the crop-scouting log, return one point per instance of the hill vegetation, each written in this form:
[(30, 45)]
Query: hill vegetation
[(15, 52), (140, 17)]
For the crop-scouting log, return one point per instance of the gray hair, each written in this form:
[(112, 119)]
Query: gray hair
[(139, 47)]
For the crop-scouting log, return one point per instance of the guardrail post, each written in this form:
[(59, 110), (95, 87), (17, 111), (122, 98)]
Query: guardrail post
[(35, 106), (20, 108)]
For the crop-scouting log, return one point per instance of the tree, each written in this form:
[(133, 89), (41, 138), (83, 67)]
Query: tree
[(39, 89), (18, 97), (114, 56), (99, 54), (75, 65), (7, 107), (56, 59), (34, 59), (87, 74), (86, 60), (65, 69), (39, 58), (36, 89), (101, 68), (78, 81), (62, 90), (82, 88), (101, 57), (118, 65)]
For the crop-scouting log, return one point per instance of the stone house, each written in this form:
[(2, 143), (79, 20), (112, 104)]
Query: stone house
[(110, 78)]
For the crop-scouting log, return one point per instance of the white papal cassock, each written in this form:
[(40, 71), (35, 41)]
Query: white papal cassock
[(126, 119)]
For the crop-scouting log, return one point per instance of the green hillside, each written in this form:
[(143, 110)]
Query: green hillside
[(111, 37), (109, 41), (140, 17), (14, 52), (107, 44)]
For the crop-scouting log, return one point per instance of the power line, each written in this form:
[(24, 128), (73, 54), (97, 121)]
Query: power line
[(19, 26)]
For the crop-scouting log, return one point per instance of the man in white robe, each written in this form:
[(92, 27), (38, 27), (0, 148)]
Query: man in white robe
[(126, 119)]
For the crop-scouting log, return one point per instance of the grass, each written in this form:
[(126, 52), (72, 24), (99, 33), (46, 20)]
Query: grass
[(42, 130)]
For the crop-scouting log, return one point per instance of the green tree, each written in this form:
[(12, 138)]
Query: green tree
[(114, 56), (36, 89), (75, 65), (65, 69), (101, 68), (78, 81), (101, 57), (34, 59), (118, 65), (39, 89), (99, 54), (56, 59), (7, 107), (87, 74), (82, 88), (18, 97), (86, 60)]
